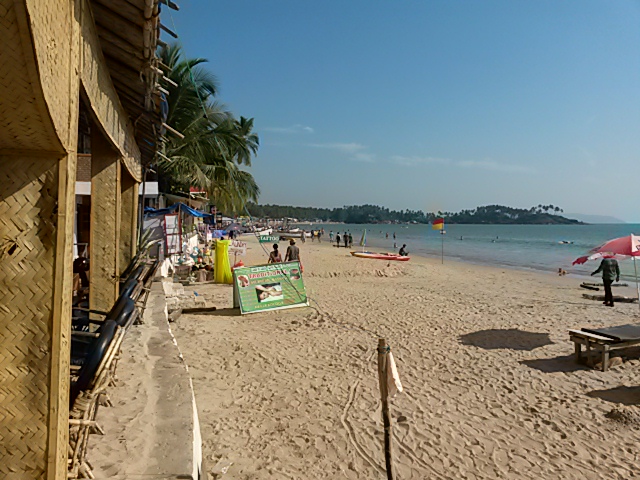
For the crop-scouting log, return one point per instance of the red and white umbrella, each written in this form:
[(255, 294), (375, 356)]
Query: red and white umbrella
[(628, 246)]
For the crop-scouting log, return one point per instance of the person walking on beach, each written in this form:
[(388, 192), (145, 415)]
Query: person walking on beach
[(293, 252), (350, 240), (274, 256), (330, 236), (338, 239), (610, 271), (346, 240), (304, 235)]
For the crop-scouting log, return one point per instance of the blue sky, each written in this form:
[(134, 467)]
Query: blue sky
[(432, 105)]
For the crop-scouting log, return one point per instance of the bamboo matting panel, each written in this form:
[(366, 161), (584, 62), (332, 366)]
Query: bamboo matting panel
[(28, 196), (22, 125)]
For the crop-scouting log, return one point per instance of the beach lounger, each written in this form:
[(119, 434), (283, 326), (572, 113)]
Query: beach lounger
[(603, 340)]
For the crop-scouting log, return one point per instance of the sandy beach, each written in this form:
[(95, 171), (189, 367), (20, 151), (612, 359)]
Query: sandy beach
[(491, 386)]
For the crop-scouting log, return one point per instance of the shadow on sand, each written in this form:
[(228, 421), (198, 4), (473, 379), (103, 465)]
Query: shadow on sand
[(512, 339), (565, 363), (622, 394)]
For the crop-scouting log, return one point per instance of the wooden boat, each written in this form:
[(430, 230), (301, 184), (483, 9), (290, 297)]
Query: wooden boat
[(381, 256)]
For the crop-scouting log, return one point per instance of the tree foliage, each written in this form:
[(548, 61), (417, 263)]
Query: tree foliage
[(492, 214), (216, 148)]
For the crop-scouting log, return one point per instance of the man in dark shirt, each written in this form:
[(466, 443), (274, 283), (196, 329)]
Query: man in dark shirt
[(293, 252), (403, 252), (610, 271)]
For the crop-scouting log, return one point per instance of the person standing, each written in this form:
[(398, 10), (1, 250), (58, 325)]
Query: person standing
[(274, 256), (330, 236), (338, 239), (350, 240), (293, 252), (610, 271), (346, 240)]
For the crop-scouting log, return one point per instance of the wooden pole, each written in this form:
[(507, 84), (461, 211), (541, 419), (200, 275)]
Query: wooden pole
[(383, 355)]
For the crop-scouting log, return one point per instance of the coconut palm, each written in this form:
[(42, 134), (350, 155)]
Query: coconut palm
[(215, 145)]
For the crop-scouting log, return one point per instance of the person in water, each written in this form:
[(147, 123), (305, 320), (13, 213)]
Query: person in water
[(274, 256), (610, 271), (293, 252), (403, 252)]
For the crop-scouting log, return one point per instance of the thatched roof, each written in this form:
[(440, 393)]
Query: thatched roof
[(129, 32)]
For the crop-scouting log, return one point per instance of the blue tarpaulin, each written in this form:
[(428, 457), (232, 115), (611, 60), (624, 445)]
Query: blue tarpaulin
[(152, 212)]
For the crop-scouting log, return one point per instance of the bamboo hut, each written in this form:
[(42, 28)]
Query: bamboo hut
[(58, 59)]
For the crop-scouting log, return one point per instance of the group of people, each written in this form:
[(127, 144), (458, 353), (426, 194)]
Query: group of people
[(347, 238)]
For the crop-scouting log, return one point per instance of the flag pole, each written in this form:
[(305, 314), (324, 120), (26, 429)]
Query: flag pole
[(635, 269), (442, 254)]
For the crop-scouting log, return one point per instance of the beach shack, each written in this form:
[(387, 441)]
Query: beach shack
[(79, 96)]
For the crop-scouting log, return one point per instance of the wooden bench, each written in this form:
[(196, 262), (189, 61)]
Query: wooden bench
[(599, 343)]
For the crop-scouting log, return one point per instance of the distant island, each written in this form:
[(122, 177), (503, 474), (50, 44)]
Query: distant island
[(489, 214)]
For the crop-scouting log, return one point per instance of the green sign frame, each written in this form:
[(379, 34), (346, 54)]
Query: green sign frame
[(274, 286)]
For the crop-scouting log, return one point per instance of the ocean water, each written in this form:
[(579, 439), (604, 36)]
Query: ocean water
[(534, 247)]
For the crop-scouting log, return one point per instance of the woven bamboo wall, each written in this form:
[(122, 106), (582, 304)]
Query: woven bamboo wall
[(28, 195), (103, 98), (105, 223), (24, 122), (128, 218)]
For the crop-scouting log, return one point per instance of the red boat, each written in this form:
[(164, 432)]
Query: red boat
[(381, 256)]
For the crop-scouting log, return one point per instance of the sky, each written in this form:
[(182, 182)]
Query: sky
[(431, 105)]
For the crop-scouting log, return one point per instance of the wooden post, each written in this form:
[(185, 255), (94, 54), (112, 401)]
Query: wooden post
[(383, 356)]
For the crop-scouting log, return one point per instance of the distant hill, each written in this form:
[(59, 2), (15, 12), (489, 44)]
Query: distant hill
[(593, 218), (489, 214)]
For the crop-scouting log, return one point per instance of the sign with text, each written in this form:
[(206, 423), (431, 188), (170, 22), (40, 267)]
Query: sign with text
[(237, 248), (268, 239), (269, 287)]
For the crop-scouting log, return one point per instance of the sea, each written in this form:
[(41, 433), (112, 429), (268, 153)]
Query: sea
[(528, 247)]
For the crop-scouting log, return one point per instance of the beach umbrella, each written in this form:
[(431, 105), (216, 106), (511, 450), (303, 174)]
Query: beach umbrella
[(628, 246)]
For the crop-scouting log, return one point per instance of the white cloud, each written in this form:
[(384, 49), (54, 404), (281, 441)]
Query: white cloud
[(364, 157), (495, 166), (342, 147), (293, 129), (415, 161), (479, 164)]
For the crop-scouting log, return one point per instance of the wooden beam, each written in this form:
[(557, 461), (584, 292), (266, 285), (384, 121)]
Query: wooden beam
[(107, 36), (126, 10), (123, 28)]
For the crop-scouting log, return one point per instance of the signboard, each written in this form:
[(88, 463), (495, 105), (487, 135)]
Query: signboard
[(172, 235), (238, 248), (269, 287), (268, 239)]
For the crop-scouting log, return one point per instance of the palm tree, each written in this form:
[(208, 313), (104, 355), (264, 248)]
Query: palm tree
[(215, 143)]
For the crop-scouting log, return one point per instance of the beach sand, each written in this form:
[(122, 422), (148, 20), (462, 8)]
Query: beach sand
[(491, 386)]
